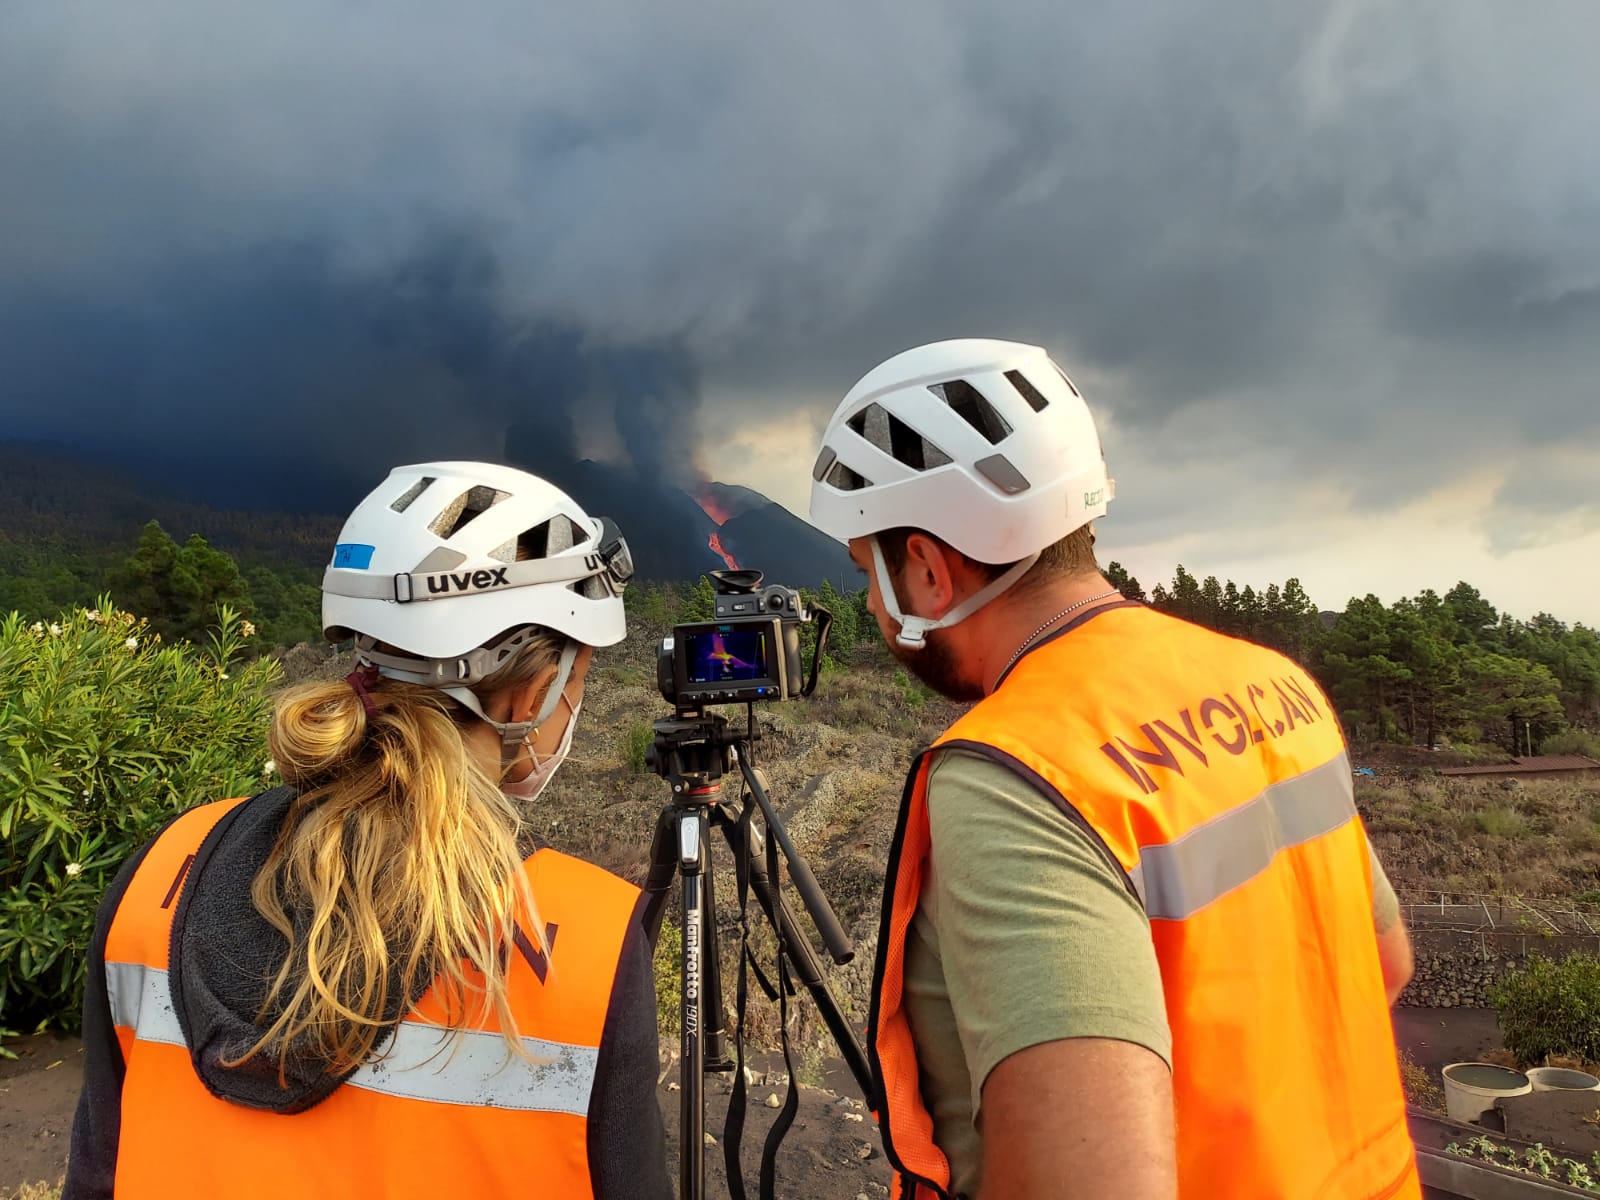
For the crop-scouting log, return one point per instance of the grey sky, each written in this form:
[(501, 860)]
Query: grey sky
[(1318, 266)]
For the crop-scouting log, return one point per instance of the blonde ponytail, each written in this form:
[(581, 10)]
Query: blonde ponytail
[(398, 858)]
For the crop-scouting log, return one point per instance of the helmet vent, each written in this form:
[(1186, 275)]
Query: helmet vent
[(412, 492), (895, 438), (846, 480), (559, 533), (1031, 394), (971, 406), (465, 508)]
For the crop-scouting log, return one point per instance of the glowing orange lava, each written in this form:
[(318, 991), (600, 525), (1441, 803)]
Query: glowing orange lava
[(719, 515), (716, 548), (708, 502)]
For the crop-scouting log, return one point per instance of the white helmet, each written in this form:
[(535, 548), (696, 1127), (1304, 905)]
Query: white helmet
[(429, 563), (984, 444)]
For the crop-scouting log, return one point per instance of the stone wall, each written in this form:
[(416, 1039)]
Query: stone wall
[(1456, 970)]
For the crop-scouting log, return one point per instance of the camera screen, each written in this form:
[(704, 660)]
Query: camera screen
[(727, 655)]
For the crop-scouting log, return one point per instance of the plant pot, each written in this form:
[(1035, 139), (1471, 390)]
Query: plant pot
[(1559, 1079), (1470, 1089)]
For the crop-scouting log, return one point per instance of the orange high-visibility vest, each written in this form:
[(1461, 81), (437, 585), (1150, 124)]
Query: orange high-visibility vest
[(1215, 773), (439, 1114)]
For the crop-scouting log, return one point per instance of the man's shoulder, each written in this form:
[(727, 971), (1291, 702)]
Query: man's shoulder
[(965, 771), (980, 806)]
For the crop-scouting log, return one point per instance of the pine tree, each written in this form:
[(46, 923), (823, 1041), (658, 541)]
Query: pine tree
[(178, 588)]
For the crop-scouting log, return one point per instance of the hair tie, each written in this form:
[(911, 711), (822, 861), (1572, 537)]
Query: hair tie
[(360, 680)]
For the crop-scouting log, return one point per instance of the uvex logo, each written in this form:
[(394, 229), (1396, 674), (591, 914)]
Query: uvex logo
[(461, 581)]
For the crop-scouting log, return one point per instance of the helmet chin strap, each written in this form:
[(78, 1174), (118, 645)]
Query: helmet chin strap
[(514, 733), (914, 631)]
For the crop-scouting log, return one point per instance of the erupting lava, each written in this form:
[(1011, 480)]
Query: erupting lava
[(719, 515), (707, 501), (715, 542)]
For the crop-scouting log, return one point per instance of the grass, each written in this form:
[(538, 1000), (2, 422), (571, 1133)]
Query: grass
[(1480, 837), (638, 739), (39, 1191), (1420, 1088), (1502, 822), (668, 971), (628, 675)]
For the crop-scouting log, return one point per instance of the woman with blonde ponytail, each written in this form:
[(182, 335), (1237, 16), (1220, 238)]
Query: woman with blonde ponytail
[(362, 983)]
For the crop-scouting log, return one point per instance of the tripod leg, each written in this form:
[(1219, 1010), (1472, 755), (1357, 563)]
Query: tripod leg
[(807, 965), (713, 1015), (691, 865)]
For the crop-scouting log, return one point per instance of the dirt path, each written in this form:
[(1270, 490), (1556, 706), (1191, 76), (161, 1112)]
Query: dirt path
[(1437, 1037), (38, 1092)]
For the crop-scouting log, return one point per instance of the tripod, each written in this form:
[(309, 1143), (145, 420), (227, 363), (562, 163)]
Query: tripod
[(693, 751)]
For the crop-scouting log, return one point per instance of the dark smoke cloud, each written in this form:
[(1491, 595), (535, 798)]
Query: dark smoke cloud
[(275, 375), (1349, 247)]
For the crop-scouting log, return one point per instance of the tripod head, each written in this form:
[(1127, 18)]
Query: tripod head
[(693, 751)]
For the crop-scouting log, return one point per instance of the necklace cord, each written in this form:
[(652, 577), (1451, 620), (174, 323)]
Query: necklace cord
[(1034, 636)]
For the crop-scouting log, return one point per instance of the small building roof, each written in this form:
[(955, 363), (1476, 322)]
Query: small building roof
[(1530, 765)]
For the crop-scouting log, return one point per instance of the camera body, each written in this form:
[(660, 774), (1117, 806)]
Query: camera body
[(748, 651)]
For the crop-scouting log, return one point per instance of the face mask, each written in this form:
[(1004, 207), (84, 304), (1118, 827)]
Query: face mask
[(535, 781)]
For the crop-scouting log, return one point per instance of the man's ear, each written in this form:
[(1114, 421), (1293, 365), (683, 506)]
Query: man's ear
[(930, 575)]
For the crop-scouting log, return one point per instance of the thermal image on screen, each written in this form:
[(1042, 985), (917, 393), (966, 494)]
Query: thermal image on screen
[(720, 657)]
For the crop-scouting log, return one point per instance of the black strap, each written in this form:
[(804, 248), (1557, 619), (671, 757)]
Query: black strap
[(663, 870), (824, 624), (733, 1126), (791, 1099)]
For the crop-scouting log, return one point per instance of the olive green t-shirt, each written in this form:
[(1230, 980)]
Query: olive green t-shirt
[(1025, 933)]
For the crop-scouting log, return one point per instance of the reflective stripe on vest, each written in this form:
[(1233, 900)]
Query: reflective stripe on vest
[(1177, 880), (448, 1110), (1235, 824), (421, 1061)]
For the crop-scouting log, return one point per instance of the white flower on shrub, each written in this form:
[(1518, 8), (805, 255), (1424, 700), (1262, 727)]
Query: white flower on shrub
[(36, 627), (247, 629), (132, 643), (74, 869), (55, 630), (271, 768), (222, 674), (93, 616)]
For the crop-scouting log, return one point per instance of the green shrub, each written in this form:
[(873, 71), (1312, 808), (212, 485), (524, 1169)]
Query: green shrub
[(1420, 1087), (1551, 1008), (641, 735), (104, 735), (668, 968), (913, 692), (1501, 822), (1572, 741)]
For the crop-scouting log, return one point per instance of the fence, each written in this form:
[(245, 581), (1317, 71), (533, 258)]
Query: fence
[(1475, 913), (1465, 943)]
